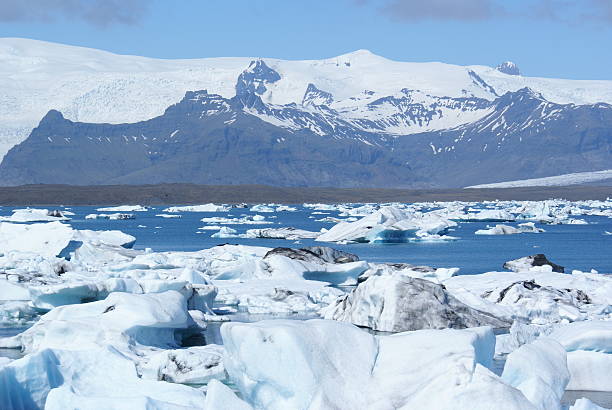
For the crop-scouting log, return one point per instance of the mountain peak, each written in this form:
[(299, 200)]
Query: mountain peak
[(51, 117), (508, 67), (255, 78)]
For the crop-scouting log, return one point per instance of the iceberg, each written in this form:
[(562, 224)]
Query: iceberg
[(288, 233), (534, 261), (539, 370), (102, 377), (52, 238), (589, 354), (225, 232), (387, 225), (262, 208), (396, 303), (527, 227), (35, 215), (124, 208), (46, 239), (197, 208), (112, 217), (337, 365)]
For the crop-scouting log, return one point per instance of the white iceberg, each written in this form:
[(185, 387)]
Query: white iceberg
[(539, 370), (527, 227), (336, 365), (124, 208), (225, 232), (35, 215), (112, 217), (589, 357), (46, 239), (197, 208), (287, 233), (387, 225)]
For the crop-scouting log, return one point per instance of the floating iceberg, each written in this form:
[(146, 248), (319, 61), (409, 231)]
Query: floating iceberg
[(50, 239), (288, 233), (225, 232), (387, 225), (527, 227), (35, 215), (534, 261), (124, 208), (46, 239), (197, 208), (112, 217)]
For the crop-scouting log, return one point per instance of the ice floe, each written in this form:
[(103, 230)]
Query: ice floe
[(197, 208)]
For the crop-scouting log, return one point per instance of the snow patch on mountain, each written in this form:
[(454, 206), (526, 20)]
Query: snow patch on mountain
[(96, 86)]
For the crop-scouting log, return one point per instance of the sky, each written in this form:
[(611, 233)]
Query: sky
[(546, 38)]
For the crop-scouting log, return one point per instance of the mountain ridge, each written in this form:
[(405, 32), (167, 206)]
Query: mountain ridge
[(97, 86), (207, 138)]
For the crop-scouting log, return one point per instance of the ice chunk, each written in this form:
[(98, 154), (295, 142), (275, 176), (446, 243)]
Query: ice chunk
[(46, 239), (396, 303), (388, 224), (124, 208), (12, 291), (35, 215), (112, 217), (116, 238), (121, 318), (97, 378), (197, 208), (527, 227), (539, 370), (288, 233), (589, 358), (292, 365), (225, 232), (194, 365), (221, 397), (261, 208), (528, 262), (585, 404), (321, 364)]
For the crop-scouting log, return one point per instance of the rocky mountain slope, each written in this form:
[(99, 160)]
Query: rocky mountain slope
[(354, 120)]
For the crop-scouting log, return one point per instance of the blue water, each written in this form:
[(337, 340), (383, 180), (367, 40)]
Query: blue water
[(582, 247)]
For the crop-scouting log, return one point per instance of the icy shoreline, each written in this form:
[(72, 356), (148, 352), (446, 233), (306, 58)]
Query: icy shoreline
[(345, 332)]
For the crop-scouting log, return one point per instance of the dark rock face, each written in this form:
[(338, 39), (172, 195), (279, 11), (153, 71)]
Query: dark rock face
[(316, 254), (314, 96), (255, 78), (209, 139), (508, 67)]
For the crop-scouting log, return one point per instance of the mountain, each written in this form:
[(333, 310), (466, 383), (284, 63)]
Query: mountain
[(353, 120)]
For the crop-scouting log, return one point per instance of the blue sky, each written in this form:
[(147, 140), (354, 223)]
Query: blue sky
[(550, 38)]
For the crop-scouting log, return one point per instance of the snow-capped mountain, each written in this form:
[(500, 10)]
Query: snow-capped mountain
[(392, 123)]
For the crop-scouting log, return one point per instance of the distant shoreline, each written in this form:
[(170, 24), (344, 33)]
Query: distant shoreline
[(168, 194)]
